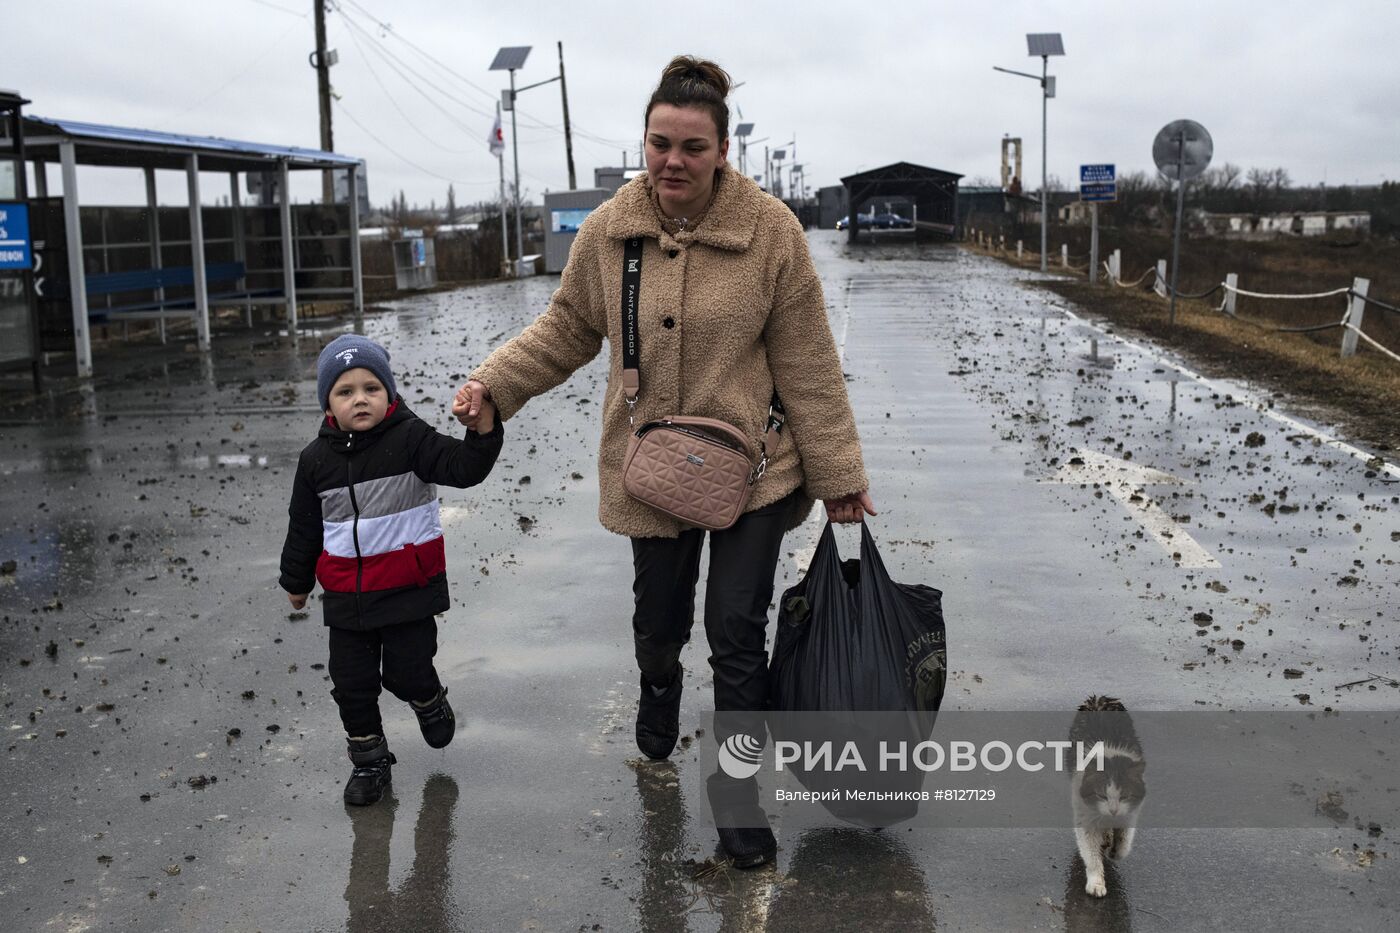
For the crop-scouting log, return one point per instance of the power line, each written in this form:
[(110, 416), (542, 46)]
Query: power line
[(280, 9), (390, 58), (390, 30), (403, 158), (374, 74), (537, 122), (399, 66), (251, 65), (384, 52)]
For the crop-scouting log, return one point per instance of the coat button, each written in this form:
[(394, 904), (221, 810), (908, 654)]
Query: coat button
[(674, 253), (668, 323)]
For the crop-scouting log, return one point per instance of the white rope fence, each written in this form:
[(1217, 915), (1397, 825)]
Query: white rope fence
[(1241, 291), (1346, 322), (1356, 301), (1356, 298), (1120, 283)]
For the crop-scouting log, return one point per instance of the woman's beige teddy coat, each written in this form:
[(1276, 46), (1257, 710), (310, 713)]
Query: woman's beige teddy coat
[(727, 311)]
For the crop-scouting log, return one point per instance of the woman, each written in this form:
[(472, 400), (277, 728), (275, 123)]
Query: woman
[(730, 309)]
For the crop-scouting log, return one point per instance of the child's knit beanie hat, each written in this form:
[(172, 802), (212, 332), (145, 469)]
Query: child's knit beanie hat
[(349, 351)]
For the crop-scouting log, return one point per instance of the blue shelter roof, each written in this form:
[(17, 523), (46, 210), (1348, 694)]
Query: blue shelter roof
[(119, 145)]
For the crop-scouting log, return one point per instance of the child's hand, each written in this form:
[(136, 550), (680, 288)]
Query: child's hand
[(486, 417), (461, 405), (298, 600), (473, 408)]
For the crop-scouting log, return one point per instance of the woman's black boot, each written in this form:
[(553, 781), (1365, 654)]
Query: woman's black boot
[(659, 717), (744, 834)]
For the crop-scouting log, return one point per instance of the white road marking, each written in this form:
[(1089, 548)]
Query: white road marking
[(1124, 481)]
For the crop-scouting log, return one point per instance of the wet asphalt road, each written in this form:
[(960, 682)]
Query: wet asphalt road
[(173, 760)]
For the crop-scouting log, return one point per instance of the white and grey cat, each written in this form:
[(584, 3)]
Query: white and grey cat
[(1106, 803)]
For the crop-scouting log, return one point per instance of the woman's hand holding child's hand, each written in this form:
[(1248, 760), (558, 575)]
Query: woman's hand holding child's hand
[(473, 408)]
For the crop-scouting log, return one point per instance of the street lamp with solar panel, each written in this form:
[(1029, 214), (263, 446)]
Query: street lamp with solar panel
[(1043, 44)]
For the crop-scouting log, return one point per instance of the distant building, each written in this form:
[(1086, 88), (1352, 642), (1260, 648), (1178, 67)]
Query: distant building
[(832, 205), (990, 200), (613, 178), (990, 207), (1294, 223), (1076, 213)]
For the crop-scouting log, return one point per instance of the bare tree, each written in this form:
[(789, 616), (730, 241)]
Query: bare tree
[(1138, 197), (1218, 189), (1266, 187)]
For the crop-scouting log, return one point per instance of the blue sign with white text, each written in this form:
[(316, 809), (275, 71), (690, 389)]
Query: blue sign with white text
[(1093, 193), (14, 237), (1097, 174)]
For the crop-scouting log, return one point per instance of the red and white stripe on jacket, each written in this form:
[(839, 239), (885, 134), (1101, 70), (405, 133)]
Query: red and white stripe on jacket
[(398, 529)]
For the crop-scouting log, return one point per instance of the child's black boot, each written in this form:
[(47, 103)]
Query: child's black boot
[(372, 759), (436, 720)]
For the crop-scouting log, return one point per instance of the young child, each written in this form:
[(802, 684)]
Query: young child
[(364, 522)]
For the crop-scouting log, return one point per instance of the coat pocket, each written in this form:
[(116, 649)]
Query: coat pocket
[(417, 563)]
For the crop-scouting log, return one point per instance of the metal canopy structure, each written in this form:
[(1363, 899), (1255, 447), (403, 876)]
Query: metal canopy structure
[(933, 191), (71, 143), (115, 145)]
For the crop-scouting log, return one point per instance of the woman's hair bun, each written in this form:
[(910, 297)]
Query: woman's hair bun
[(685, 69), (694, 82)]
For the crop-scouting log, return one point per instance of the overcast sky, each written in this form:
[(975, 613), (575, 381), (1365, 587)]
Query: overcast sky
[(1313, 87)]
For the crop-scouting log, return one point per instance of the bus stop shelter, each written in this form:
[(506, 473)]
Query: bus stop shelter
[(71, 143)]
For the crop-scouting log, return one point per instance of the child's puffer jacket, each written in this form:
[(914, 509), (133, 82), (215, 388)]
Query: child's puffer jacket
[(364, 518)]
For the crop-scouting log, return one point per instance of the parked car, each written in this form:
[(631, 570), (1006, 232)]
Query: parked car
[(888, 221), (891, 222)]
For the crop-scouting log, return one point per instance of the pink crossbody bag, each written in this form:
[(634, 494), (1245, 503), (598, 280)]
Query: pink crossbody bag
[(698, 470)]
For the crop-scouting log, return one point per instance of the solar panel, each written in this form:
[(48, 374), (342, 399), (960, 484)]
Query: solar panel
[(511, 58), (1045, 43), (743, 129)]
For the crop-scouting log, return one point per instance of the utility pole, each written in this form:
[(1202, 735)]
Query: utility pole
[(1042, 44), (323, 94), (1044, 177), (515, 156), (568, 136), (506, 266)]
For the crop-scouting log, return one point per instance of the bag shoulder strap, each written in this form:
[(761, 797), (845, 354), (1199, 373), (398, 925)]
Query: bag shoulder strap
[(631, 292), (631, 345)]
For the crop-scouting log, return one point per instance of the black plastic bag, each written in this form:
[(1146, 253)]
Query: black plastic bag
[(850, 640)]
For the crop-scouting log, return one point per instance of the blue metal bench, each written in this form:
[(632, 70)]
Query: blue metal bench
[(148, 280)]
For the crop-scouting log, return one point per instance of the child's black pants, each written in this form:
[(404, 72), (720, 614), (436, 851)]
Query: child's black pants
[(403, 652)]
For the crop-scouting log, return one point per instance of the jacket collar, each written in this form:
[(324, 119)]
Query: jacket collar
[(349, 441), (729, 224)]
